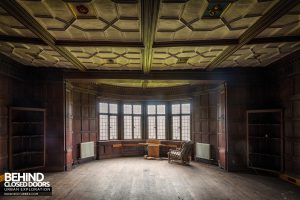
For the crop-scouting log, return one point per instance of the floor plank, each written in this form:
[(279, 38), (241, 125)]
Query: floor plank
[(136, 178)]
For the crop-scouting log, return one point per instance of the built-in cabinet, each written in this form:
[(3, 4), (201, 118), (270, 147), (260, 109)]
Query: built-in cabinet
[(26, 138), (265, 139)]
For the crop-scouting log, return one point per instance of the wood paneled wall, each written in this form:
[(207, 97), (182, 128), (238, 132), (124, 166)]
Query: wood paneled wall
[(45, 92), (205, 119), (85, 119), (209, 119), (5, 99), (253, 93), (288, 72)]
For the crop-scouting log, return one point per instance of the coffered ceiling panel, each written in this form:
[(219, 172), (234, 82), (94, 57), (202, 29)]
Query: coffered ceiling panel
[(108, 57), (87, 20), (34, 55), (287, 25), (184, 57), (183, 21), (148, 34), (260, 54), (12, 27)]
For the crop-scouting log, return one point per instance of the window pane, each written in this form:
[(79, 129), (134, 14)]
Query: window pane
[(185, 108), (151, 109), (127, 127), (176, 127), (185, 126), (151, 127), (113, 108), (113, 128), (137, 127), (161, 127), (127, 109), (175, 109), (103, 127), (103, 108), (137, 109), (161, 109)]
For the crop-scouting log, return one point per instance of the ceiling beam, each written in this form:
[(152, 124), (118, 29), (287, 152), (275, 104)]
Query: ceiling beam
[(73, 43), (22, 40), (195, 43), (17, 11), (149, 17), (267, 40), (277, 11), (217, 74), (192, 43)]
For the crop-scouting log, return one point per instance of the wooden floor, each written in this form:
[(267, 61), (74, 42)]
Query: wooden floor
[(136, 178)]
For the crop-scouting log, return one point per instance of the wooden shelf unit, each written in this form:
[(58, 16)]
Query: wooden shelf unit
[(265, 140), (27, 141)]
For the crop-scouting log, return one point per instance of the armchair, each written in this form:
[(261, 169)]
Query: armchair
[(182, 154)]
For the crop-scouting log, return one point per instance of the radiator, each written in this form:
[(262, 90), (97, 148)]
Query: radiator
[(203, 151), (87, 150)]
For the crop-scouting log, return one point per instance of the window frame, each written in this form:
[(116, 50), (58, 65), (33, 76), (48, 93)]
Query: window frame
[(109, 114), (156, 116), (132, 115), (180, 115)]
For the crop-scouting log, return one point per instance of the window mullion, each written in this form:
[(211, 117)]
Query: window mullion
[(132, 125)]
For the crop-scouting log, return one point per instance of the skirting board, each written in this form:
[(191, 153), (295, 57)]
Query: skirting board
[(212, 162)]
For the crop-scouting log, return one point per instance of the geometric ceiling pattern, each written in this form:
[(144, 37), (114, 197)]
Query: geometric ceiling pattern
[(34, 55), (104, 20), (144, 35), (108, 57), (260, 54), (184, 21), (184, 57)]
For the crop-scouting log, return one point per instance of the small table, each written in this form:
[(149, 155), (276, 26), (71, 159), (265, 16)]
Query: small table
[(153, 149)]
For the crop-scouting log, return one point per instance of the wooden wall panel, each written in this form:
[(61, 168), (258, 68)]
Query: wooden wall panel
[(205, 119), (22, 92), (55, 131), (289, 87), (85, 119), (5, 83), (249, 93)]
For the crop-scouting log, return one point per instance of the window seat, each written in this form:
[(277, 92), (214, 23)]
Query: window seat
[(120, 148)]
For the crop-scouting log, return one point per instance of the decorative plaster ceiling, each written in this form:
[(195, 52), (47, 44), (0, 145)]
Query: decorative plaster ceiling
[(146, 35), (260, 54), (111, 58), (184, 57), (12, 27), (34, 55), (105, 20), (286, 25), (183, 21)]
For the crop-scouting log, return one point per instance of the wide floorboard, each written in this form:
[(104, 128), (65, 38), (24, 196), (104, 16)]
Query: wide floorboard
[(136, 178)]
